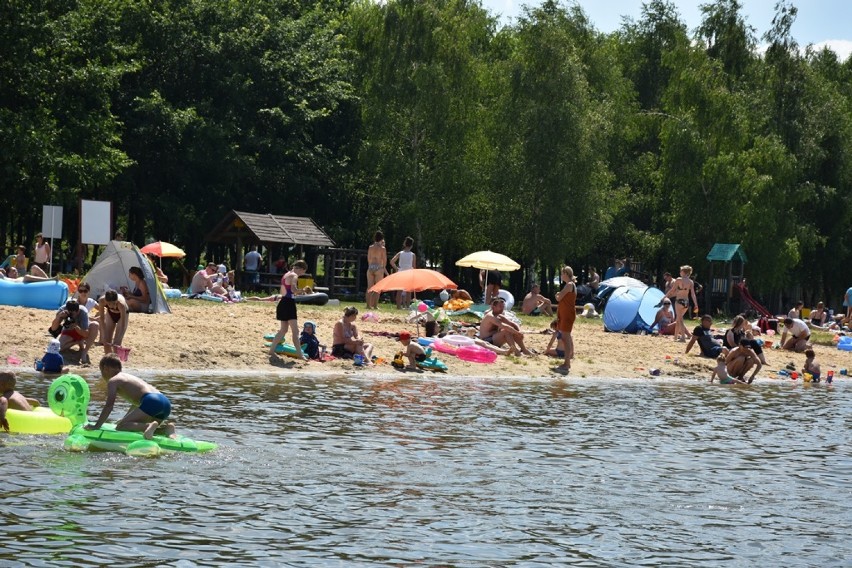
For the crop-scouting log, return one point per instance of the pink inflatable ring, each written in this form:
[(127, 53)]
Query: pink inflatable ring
[(457, 340), (476, 354)]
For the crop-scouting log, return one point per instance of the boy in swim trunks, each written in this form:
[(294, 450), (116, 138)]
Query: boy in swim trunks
[(811, 366), (10, 398), (149, 407), (721, 371), (414, 352)]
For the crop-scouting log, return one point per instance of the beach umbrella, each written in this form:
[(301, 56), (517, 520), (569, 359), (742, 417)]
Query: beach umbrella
[(163, 249), (414, 280), (488, 260)]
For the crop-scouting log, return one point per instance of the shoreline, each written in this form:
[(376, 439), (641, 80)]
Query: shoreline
[(208, 338)]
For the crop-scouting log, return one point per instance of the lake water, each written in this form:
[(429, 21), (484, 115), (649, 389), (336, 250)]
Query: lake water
[(347, 471)]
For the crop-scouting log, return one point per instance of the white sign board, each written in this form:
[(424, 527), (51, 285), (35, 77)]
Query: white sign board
[(51, 222), (95, 222)]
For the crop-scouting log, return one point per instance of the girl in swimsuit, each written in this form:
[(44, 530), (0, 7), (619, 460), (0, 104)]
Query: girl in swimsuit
[(286, 310), (680, 292), (404, 260)]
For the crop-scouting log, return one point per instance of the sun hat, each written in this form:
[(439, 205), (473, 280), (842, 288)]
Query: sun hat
[(53, 346), (310, 323)]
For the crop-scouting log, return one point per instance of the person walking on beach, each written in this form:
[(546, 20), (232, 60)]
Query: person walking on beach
[(377, 261), (680, 292), (566, 313), (286, 310), (404, 260), (149, 407)]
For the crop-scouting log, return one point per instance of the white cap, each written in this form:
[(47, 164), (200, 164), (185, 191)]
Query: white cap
[(223, 269)]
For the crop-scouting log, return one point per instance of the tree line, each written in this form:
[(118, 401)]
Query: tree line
[(546, 139)]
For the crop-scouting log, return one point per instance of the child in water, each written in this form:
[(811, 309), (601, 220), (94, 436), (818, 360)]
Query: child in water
[(721, 371), (149, 407), (10, 398)]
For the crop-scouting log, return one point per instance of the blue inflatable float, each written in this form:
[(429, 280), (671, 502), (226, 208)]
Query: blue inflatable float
[(44, 295)]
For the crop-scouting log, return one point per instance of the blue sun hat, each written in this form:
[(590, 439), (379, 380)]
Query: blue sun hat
[(310, 324)]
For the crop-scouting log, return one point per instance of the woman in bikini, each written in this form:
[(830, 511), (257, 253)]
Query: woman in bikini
[(680, 292), (346, 341), (377, 260), (112, 315), (138, 299)]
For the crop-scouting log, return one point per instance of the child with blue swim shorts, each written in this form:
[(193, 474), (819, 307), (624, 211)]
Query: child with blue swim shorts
[(149, 407)]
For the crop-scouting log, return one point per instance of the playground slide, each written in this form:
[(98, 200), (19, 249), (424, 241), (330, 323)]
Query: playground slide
[(746, 295)]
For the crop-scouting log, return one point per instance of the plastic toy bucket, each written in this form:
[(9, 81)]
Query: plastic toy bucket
[(122, 352)]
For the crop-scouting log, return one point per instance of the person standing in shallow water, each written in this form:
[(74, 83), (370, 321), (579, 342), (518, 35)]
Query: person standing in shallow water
[(566, 313)]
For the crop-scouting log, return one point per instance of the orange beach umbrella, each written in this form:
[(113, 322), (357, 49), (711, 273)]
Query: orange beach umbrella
[(414, 280)]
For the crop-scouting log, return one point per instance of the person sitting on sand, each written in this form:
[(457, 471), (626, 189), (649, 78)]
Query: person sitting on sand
[(52, 361), (811, 366), (664, 320), (740, 359), (161, 276), (149, 407), (796, 311), (721, 371), (556, 337), (10, 398), (414, 351), (346, 341), (497, 329), (310, 342), (535, 304), (800, 332), (84, 299), (818, 316), (205, 281), (139, 299), (710, 346)]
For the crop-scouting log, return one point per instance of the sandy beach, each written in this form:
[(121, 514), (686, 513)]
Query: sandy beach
[(200, 336)]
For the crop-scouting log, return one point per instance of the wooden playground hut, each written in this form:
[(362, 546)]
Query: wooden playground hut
[(242, 229), (727, 269)]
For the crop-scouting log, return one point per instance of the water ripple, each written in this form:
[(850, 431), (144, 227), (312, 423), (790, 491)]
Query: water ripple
[(348, 471)]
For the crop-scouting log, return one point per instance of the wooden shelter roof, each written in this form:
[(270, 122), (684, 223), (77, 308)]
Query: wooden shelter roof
[(259, 228)]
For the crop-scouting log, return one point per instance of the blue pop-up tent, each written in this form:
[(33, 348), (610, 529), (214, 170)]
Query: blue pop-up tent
[(632, 309)]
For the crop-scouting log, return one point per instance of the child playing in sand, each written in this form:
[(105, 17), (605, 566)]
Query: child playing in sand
[(811, 366), (149, 407), (310, 342), (10, 398), (414, 351), (556, 337), (52, 361), (721, 371)]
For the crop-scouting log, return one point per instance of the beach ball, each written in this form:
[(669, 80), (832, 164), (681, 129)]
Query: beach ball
[(422, 307)]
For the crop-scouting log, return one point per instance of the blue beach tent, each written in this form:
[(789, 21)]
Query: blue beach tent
[(632, 309)]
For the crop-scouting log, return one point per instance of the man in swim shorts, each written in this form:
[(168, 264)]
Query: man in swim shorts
[(535, 304), (149, 407), (801, 335)]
